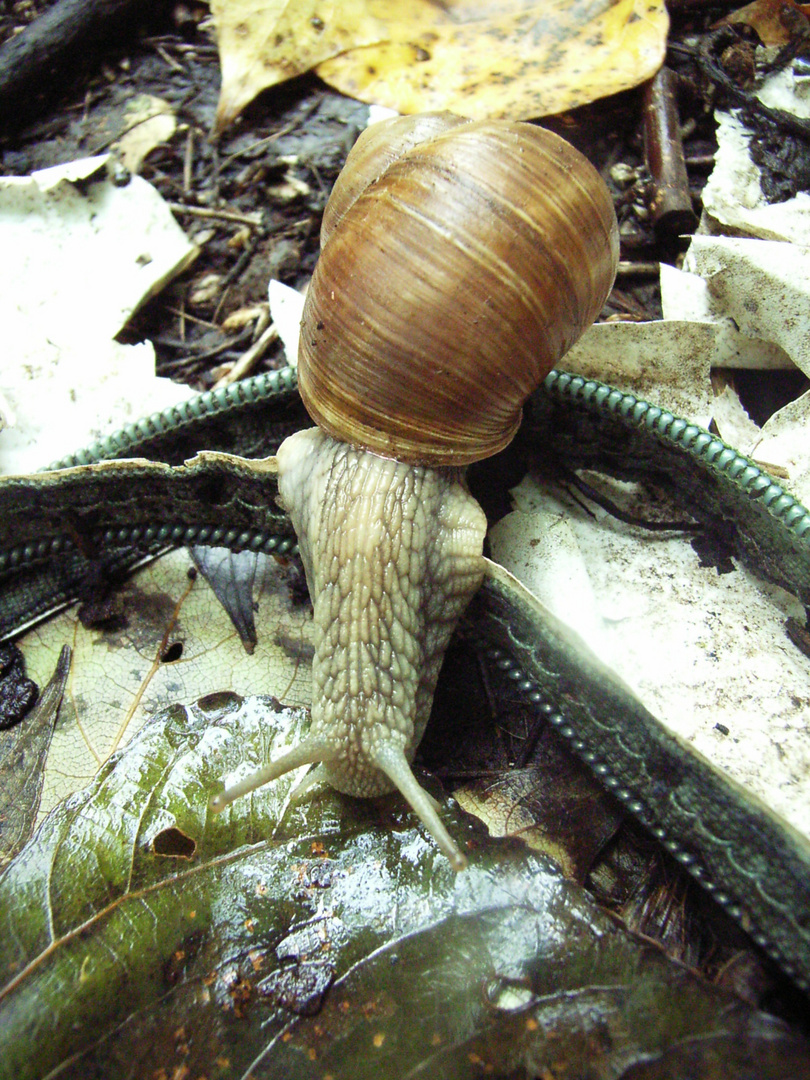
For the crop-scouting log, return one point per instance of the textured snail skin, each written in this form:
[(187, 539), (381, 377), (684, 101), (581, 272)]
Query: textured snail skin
[(393, 555)]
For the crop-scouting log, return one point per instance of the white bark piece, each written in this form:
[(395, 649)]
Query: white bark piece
[(537, 543), (687, 297), (732, 198), (667, 363), (733, 422), (80, 257), (286, 309), (763, 285), (784, 441), (705, 652)]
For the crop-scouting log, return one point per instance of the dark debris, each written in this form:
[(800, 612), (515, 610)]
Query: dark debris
[(17, 692)]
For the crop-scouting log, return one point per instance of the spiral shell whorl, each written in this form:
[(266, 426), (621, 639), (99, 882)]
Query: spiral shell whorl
[(455, 273)]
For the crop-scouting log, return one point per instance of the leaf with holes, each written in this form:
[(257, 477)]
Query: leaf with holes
[(166, 639)]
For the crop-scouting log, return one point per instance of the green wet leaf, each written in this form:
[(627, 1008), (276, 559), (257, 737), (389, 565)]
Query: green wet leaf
[(139, 935)]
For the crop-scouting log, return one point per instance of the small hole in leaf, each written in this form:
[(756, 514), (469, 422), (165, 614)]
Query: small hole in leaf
[(173, 653), (174, 844), (224, 701)]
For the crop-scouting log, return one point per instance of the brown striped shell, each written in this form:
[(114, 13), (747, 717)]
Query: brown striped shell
[(460, 261)]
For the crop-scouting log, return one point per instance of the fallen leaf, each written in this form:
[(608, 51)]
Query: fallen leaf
[(553, 807), (23, 752), (264, 43), (513, 60), (761, 284), (172, 641), (148, 121), (474, 57), (686, 297), (667, 363), (286, 309), (733, 200), (87, 254), (733, 422), (751, 286), (783, 440), (705, 652), (775, 21)]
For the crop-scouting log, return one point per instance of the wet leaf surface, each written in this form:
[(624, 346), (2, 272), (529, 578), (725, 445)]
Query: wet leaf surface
[(139, 936)]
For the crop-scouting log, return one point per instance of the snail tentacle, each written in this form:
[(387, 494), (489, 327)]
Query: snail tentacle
[(306, 753), (395, 766)]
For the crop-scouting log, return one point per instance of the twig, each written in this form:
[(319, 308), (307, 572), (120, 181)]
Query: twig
[(638, 269), (207, 323), (36, 63), (253, 220), (671, 204), (249, 359), (700, 161), (188, 162), (712, 70), (571, 478), (195, 355), (175, 65), (101, 147)]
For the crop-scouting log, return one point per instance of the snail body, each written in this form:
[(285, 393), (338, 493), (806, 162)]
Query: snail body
[(460, 260)]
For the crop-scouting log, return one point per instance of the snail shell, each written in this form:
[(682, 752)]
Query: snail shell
[(471, 256)]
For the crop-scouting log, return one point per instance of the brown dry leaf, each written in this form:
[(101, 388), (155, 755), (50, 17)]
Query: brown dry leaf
[(775, 21), (148, 122), (479, 58)]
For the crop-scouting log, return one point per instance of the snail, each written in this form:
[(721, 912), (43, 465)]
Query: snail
[(459, 262)]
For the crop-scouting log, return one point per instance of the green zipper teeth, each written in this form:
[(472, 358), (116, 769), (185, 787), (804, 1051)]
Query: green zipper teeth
[(552, 714), (701, 444), (212, 403), (152, 536), (597, 397)]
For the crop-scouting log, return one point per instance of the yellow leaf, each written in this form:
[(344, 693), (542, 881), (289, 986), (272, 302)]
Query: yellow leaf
[(264, 42), (540, 59), (480, 58)]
